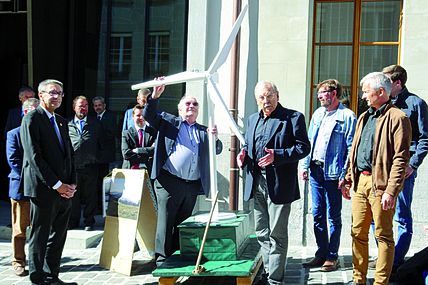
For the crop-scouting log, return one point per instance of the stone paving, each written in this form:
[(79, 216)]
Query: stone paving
[(81, 266)]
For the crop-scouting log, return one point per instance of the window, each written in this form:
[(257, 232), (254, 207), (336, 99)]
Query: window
[(158, 54), (120, 56), (352, 38)]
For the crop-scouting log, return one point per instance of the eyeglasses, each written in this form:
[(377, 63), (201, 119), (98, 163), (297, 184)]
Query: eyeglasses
[(53, 93), (196, 104), (324, 92)]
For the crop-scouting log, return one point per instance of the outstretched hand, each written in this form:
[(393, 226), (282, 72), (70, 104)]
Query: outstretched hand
[(158, 90)]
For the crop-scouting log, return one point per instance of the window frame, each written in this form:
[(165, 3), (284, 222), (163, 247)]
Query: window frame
[(356, 46)]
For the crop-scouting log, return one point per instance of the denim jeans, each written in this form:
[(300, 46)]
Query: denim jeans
[(326, 204), (403, 216)]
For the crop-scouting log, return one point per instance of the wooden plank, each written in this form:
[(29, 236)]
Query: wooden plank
[(167, 280)]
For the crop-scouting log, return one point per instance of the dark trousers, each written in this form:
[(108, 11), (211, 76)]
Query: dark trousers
[(86, 194), (411, 271), (103, 170), (49, 219), (176, 199)]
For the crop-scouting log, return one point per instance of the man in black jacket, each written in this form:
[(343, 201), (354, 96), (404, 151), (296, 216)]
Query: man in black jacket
[(49, 180), (107, 155), (85, 134)]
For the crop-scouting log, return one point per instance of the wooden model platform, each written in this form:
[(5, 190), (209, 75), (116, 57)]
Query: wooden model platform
[(244, 268)]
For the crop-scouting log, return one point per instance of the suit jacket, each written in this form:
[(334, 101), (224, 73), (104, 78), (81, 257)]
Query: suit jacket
[(15, 153), (168, 127), (145, 153), (14, 118), (109, 133), (87, 145), (128, 121), (289, 140), (45, 161)]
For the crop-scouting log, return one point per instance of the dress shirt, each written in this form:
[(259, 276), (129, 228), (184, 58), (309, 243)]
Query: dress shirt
[(78, 122), (365, 146), (184, 159), (323, 138), (261, 135), (58, 183)]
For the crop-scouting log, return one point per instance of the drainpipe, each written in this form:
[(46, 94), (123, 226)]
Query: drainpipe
[(233, 103)]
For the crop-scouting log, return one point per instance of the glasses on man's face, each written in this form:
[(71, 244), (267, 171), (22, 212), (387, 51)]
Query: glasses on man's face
[(54, 93), (196, 104), (320, 93)]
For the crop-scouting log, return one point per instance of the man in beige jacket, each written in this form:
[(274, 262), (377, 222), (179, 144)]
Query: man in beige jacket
[(377, 164)]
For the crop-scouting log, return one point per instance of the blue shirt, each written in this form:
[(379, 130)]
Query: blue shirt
[(339, 141), (183, 161)]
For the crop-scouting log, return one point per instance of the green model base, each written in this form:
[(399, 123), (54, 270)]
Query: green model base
[(246, 264), (226, 239)]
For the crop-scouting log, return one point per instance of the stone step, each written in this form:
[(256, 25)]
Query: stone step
[(76, 239)]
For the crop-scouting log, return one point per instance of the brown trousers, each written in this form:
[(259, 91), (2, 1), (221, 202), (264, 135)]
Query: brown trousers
[(365, 208), (20, 222)]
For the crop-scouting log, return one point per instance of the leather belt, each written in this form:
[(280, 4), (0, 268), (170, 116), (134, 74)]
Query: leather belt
[(167, 173), (366, 172), (318, 163)]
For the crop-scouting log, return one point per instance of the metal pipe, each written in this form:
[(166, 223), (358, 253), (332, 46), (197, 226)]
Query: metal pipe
[(234, 86)]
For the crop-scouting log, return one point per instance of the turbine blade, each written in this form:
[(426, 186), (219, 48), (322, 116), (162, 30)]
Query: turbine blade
[(181, 77), (216, 97), (221, 56)]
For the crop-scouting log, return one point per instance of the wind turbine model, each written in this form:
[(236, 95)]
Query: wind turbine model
[(214, 94)]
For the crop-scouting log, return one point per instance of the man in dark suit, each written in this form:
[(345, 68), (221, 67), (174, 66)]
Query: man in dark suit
[(276, 139), (14, 117), (86, 136), (49, 181), (138, 143), (20, 204), (180, 167), (107, 155)]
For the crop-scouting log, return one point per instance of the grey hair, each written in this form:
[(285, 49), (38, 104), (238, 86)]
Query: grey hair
[(182, 100), (262, 84), (44, 83), (98, 98), (377, 80), (30, 102)]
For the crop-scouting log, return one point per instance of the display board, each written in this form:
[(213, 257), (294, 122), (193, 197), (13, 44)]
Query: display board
[(131, 216)]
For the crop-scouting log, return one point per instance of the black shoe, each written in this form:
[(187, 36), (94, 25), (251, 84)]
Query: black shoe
[(57, 281), (89, 228), (355, 283), (314, 262)]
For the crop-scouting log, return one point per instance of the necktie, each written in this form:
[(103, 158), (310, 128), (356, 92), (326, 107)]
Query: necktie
[(52, 120), (140, 137), (82, 124), (99, 118)]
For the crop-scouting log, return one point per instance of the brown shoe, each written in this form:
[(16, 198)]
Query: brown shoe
[(330, 265), (314, 262), (20, 271)]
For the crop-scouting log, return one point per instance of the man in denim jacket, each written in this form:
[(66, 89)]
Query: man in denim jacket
[(331, 132)]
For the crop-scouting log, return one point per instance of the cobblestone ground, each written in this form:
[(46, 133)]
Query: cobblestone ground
[(81, 266)]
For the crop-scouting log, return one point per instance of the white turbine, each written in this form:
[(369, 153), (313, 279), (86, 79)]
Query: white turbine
[(214, 95)]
